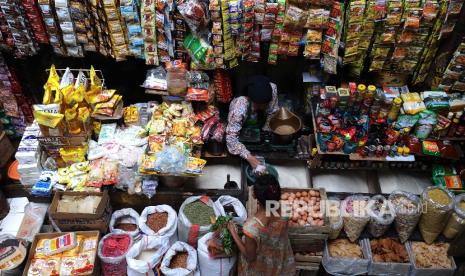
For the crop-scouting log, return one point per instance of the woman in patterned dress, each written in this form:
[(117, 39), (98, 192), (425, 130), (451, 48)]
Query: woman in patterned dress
[(265, 249)]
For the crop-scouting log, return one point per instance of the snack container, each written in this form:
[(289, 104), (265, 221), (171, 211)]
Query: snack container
[(345, 266), (417, 271), (378, 268)]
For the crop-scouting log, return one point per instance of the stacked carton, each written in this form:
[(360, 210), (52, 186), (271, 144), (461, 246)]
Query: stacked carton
[(27, 155)]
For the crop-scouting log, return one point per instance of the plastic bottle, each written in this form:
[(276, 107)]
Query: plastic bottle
[(395, 108), (454, 124)]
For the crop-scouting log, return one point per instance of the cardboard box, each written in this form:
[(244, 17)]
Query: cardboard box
[(77, 221), (6, 149), (96, 270)]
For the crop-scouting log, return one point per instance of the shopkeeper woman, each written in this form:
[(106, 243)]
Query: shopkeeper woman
[(254, 110)]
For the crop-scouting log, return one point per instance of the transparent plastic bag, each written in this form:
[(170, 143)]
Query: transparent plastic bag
[(407, 209), (345, 266), (336, 222), (437, 206), (170, 160), (381, 215), (355, 215), (156, 79), (456, 221)]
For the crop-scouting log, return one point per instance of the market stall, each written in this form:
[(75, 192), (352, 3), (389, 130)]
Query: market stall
[(132, 135)]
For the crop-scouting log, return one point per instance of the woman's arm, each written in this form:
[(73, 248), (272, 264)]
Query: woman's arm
[(247, 248)]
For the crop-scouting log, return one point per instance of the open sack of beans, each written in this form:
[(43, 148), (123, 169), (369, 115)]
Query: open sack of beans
[(180, 260), (145, 254), (125, 221), (210, 265), (233, 207), (160, 221), (195, 218)]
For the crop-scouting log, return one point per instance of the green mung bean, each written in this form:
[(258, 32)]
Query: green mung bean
[(199, 213)]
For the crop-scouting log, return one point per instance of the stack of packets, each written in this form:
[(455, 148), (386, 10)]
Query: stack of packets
[(27, 155), (448, 178), (117, 30), (172, 126), (69, 254), (199, 83), (105, 102), (43, 187), (87, 176)]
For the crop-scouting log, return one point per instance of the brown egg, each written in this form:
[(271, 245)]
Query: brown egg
[(295, 217), (301, 222), (304, 193), (285, 196), (298, 194), (310, 219), (317, 193)]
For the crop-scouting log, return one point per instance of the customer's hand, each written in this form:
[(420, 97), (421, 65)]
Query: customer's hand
[(231, 227)]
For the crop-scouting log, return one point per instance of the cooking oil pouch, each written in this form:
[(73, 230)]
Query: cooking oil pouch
[(73, 154), (430, 148), (44, 116), (52, 88), (83, 114), (67, 79), (95, 82), (71, 113), (79, 168), (442, 170)]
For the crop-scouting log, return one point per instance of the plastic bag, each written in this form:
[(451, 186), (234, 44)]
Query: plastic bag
[(191, 268), (114, 265), (407, 213), (355, 216), (142, 267), (213, 266), (168, 231), (126, 215), (456, 221), (381, 215), (240, 215), (344, 266), (186, 231), (170, 160), (156, 79), (438, 204), (335, 219)]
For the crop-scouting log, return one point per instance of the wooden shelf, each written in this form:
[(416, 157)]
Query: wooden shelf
[(357, 157)]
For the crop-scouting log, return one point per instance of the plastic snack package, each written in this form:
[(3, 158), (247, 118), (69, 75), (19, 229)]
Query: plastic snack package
[(294, 18), (354, 215), (195, 14), (96, 176), (438, 204)]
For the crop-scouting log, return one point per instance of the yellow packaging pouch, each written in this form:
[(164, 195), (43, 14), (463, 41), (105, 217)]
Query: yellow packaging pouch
[(73, 154), (131, 115), (99, 96), (52, 88), (95, 82), (71, 113), (64, 176), (47, 115), (112, 103), (83, 114), (96, 126)]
